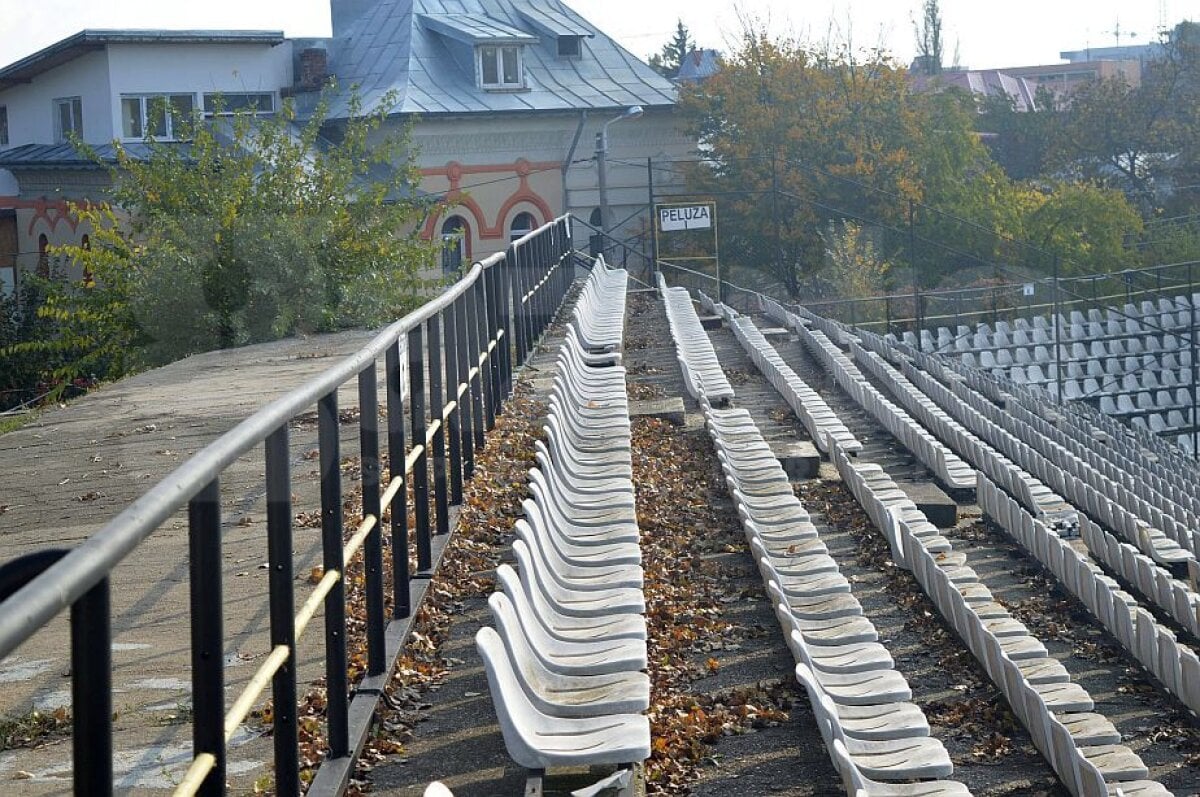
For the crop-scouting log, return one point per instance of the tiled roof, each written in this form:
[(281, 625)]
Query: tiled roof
[(390, 49)]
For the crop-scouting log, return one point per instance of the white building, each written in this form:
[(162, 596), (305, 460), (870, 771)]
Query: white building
[(507, 98)]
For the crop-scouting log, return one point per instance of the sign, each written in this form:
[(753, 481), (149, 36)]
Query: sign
[(1028, 289), (684, 217)]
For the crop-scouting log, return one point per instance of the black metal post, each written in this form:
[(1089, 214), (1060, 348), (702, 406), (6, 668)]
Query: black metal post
[(91, 692), (476, 390), (453, 428), (485, 382), (208, 633), (283, 623), (465, 399), (491, 316), (437, 395), (368, 437), (516, 327), (336, 676), (420, 473), (401, 595), (653, 223), (503, 299), (912, 262)]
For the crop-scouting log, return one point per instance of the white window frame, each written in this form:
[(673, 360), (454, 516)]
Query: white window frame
[(209, 99), (75, 105), (145, 103), (499, 64)]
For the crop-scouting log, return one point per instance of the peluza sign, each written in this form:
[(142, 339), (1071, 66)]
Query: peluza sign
[(685, 217)]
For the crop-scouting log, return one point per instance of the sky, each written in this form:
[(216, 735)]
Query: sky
[(986, 34)]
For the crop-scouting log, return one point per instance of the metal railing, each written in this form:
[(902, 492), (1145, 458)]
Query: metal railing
[(468, 340)]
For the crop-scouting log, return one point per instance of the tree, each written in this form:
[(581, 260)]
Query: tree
[(256, 228), (668, 61), (929, 39), (795, 139)]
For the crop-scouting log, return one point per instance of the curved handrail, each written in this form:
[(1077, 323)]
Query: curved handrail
[(67, 580)]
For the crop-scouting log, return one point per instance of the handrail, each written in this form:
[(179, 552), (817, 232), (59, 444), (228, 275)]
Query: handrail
[(478, 329)]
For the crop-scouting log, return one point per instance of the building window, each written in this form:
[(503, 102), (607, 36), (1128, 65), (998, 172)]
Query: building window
[(522, 225), (570, 46), (454, 244), (158, 115), (500, 66), (3, 126), (235, 102), (68, 117)]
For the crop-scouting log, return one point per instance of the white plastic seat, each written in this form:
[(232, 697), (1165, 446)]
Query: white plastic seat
[(537, 741)]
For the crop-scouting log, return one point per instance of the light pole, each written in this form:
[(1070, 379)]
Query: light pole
[(632, 112)]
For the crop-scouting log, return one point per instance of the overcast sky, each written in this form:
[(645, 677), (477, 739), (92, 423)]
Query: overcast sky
[(987, 34)]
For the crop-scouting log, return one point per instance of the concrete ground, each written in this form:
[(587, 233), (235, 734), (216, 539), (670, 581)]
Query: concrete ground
[(73, 468)]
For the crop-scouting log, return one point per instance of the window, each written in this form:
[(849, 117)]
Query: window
[(454, 244), (522, 225), (258, 102), (3, 126), (158, 115), (68, 117), (570, 46), (500, 66)]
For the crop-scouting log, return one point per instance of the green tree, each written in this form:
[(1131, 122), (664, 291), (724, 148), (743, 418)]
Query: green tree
[(930, 48), (670, 58), (255, 228)]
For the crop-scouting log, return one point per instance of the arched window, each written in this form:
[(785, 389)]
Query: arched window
[(454, 244), (43, 261), (594, 219), (522, 225)]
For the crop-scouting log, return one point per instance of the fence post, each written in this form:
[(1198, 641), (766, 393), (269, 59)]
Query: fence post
[(401, 595), (477, 397), (453, 427), (208, 634), (91, 691), (436, 397), (368, 436), (282, 600), (481, 344), (1057, 334), (336, 676), (465, 395), (420, 473), (491, 314)]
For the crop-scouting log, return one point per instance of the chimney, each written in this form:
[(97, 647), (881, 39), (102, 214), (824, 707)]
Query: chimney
[(314, 68)]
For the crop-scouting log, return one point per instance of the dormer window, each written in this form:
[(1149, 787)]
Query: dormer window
[(570, 46), (500, 66)]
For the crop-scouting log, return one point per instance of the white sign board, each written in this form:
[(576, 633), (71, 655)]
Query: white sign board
[(1028, 289), (685, 217)]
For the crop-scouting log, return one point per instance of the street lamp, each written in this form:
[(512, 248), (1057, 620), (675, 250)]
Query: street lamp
[(632, 112)]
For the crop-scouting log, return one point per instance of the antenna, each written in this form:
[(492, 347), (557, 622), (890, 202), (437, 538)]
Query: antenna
[(1163, 16)]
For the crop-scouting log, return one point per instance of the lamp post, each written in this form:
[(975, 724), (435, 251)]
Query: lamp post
[(632, 112)]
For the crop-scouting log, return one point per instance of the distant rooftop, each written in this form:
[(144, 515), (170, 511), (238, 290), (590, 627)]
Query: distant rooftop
[(421, 51), (698, 64), (1130, 52), (86, 41)]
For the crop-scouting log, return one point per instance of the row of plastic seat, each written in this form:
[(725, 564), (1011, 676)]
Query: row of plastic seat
[(597, 322), (1115, 450), (1075, 341), (859, 699), (1176, 666), (1083, 747), (1121, 352), (564, 662), (1111, 375), (1177, 598), (944, 464), (1038, 687), (928, 402), (1092, 500), (821, 422), (1060, 467), (702, 374)]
